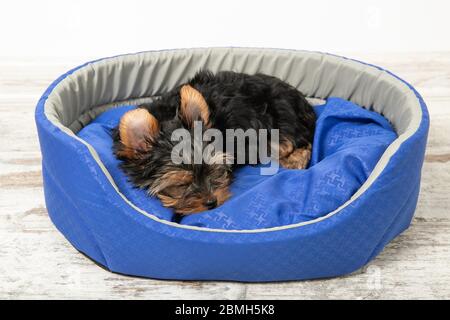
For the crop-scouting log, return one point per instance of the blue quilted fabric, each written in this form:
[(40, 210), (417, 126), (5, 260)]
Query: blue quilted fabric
[(349, 140)]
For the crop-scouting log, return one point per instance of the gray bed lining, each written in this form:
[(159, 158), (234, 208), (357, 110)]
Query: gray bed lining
[(133, 79)]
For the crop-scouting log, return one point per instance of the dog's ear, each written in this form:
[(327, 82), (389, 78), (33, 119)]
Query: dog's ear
[(193, 106), (137, 130)]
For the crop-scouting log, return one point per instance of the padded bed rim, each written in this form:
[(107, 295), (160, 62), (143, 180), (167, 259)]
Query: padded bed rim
[(410, 101)]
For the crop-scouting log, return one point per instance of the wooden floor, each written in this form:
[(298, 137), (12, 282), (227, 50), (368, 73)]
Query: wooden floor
[(37, 262)]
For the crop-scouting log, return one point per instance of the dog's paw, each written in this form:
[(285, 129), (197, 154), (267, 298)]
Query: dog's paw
[(297, 159)]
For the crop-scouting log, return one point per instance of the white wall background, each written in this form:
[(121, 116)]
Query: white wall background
[(95, 28)]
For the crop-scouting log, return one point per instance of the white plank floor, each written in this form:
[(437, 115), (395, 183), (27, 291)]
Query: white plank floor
[(37, 262)]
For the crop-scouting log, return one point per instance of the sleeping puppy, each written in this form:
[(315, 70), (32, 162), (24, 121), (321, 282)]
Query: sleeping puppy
[(144, 139)]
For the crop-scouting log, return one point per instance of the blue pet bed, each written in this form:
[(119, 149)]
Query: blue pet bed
[(359, 192)]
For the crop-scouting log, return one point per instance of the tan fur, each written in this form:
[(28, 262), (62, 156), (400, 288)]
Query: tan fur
[(170, 187), (297, 159), (285, 148), (193, 106), (171, 179), (168, 201), (136, 129), (178, 177), (194, 205), (222, 195)]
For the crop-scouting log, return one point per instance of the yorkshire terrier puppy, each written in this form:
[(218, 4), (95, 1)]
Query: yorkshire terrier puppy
[(226, 100)]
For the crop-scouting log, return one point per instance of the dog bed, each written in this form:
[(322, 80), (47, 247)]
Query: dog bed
[(325, 221)]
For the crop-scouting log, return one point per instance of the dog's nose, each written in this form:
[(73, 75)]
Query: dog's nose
[(211, 202)]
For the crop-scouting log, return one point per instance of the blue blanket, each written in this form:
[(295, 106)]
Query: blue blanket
[(348, 142)]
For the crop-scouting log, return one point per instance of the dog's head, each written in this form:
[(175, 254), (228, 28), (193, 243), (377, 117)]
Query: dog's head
[(147, 149)]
